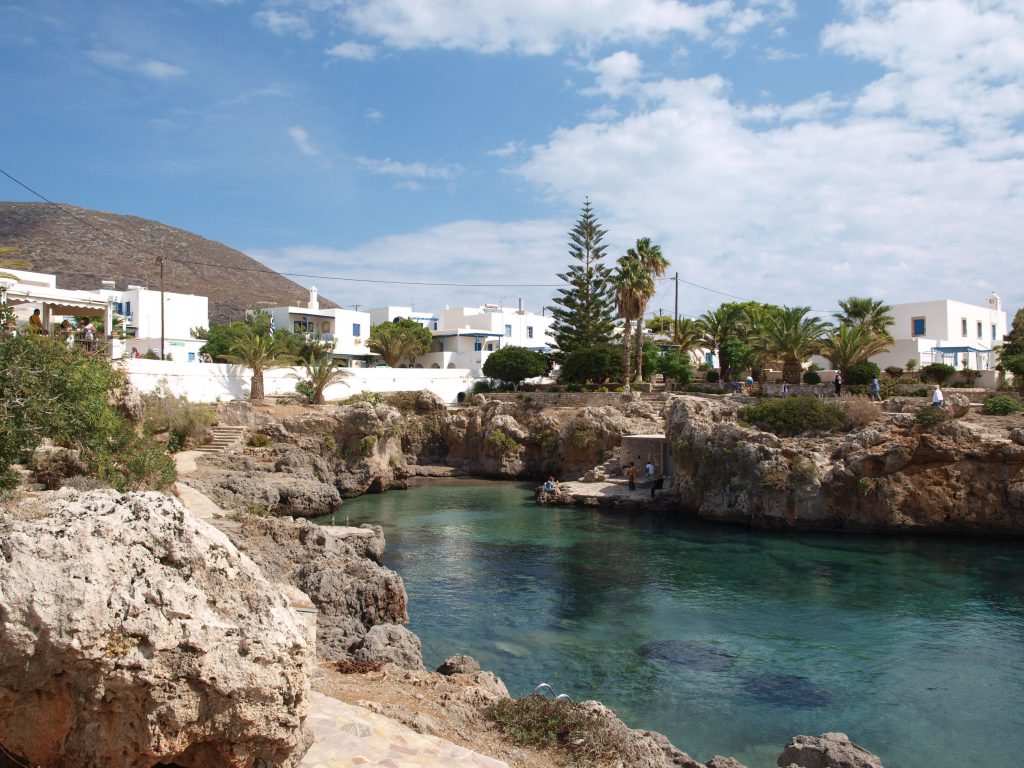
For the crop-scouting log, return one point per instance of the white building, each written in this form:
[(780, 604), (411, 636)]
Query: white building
[(130, 317), (349, 329), (465, 336), (945, 331)]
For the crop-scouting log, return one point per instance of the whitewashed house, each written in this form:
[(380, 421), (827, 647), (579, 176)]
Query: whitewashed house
[(946, 331), (390, 313), (348, 329)]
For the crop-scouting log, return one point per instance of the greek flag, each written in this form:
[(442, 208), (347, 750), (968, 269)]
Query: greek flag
[(271, 324)]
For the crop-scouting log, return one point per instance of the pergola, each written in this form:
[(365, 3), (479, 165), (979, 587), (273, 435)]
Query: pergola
[(58, 301)]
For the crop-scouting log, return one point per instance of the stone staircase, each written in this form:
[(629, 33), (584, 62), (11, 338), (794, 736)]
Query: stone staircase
[(608, 471), (27, 481), (224, 437)]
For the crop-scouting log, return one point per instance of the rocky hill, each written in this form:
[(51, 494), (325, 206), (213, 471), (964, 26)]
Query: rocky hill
[(82, 256)]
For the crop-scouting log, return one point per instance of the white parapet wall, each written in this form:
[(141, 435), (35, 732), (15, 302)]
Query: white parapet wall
[(214, 382)]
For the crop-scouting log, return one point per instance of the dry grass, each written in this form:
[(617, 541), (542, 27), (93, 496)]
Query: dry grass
[(860, 411)]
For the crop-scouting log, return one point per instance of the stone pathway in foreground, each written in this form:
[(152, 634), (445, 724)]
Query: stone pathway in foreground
[(348, 736)]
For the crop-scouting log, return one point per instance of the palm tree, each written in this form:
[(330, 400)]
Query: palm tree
[(846, 345), (719, 325), (321, 372), (652, 262), (633, 286), (258, 352), (688, 334), (875, 314), (792, 337), (393, 342), (6, 263)]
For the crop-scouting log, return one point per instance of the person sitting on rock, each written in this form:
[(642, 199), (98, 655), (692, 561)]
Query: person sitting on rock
[(551, 485)]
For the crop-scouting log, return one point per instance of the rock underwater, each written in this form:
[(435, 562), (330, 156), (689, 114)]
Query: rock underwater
[(132, 634)]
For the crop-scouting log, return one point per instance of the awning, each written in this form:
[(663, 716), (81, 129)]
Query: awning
[(956, 350), (59, 300)]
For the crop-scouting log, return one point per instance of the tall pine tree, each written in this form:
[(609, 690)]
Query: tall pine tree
[(584, 312)]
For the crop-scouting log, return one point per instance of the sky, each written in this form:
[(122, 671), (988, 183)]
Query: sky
[(787, 151)]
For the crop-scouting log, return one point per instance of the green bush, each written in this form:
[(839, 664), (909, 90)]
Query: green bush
[(794, 415), (811, 377), (592, 364), (1001, 405), (479, 387), (186, 424), (540, 722), (367, 445), (712, 377), (48, 391), (861, 373), (930, 416), (938, 372), (501, 442), (259, 441), (894, 371)]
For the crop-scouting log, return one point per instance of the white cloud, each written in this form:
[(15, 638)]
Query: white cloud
[(284, 24), (616, 73), (158, 70), (374, 115), (299, 135), (506, 255), (507, 149), (353, 50), (415, 170)]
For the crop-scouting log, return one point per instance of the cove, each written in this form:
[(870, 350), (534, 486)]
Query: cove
[(728, 640)]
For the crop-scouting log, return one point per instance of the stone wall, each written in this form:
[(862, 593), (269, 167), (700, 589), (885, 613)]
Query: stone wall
[(576, 399)]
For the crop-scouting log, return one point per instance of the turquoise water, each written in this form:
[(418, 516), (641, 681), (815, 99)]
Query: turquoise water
[(729, 641)]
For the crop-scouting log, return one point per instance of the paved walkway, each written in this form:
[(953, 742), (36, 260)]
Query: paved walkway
[(347, 736)]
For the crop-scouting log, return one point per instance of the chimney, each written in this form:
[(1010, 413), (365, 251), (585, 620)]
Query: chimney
[(520, 305), (108, 285), (314, 302)]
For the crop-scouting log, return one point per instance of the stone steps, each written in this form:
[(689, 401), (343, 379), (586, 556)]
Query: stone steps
[(224, 437)]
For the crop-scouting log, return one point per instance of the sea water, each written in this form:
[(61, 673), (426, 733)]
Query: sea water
[(728, 640)]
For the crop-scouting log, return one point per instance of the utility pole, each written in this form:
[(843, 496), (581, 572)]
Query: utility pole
[(160, 260), (675, 322)]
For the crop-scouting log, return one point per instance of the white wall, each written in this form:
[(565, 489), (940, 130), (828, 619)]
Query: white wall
[(210, 382)]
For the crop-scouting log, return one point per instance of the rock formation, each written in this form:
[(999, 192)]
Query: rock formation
[(134, 635), (962, 475), (361, 604), (831, 750)]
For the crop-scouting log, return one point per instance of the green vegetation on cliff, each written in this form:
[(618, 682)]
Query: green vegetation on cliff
[(788, 416)]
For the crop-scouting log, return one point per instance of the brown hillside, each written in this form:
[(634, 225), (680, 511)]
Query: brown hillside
[(81, 257)]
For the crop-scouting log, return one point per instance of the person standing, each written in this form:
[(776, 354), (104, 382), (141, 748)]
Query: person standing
[(785, 388), (631, 475), (938, 400), (839, 384), (876, 393), (649, 471)]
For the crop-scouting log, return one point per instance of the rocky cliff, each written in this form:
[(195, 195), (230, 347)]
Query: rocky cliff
[(132, 635), (963, 475), (317, 455)]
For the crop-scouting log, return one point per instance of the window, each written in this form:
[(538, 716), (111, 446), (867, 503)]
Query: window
[(508, 330), (917, 326), (529, 331), (477, 346), (980, 332), (963, 327), (355, 330), (303, 326), (490, 347), (128, 311)]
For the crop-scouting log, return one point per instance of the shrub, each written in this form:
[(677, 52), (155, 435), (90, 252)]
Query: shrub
[(712, 377), (581, 436), (540, 722), (1001, 405), (969, 375), (367, 445), (186, 424), (501, 442), (514, 364), (911, 365), (938, 372), (793, 415), (930, 416), (859, 411), (479, 387), (811, 377), (894, 371), (259, 441), (861, 373), (592, 364)]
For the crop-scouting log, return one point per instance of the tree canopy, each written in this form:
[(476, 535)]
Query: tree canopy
[(584, 311), (402, 339), (515, 364)]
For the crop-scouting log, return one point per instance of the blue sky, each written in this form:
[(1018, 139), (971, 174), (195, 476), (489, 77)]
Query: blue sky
[(792, 151)]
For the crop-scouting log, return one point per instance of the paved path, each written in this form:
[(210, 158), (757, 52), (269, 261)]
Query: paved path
[(347, 736)]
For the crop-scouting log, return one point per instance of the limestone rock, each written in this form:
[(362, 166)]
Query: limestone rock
[(392, 643), (134, 634), (830, 750), (458, 664), (958, 405), (723, 762)]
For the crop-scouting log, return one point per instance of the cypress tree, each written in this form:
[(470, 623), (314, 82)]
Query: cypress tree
[(584, 312)]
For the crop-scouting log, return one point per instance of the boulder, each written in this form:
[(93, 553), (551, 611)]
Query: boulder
[(135, 635), (457, 664), (830, 750), (392, 643), (958, 405)]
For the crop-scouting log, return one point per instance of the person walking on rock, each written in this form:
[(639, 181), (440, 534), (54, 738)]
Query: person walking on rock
[(876, 393), (839, 384), (938, 400)]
